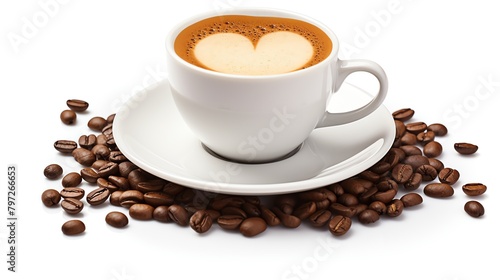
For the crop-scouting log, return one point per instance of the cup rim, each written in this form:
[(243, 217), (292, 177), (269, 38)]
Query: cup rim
[(175, 30)]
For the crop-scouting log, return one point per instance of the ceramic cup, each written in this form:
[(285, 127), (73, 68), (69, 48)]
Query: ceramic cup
[(259, 119)]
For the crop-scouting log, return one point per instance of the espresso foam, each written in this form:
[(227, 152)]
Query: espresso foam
[(284, 50)]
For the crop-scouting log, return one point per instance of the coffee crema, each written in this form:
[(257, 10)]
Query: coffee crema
[(252, 45)]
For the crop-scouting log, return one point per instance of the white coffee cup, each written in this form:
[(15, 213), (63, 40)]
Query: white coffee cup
[(258, 119)]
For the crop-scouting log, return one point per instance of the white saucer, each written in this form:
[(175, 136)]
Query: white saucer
[(150, 132)]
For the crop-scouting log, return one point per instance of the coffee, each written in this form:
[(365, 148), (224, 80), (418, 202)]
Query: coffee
[(251, 45)]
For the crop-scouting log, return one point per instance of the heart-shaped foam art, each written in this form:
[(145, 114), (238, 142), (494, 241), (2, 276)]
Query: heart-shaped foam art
[(275, 53)]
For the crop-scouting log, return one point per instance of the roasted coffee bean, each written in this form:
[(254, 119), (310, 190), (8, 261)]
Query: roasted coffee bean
[(366, 197), (53, 171), (185, 196), (339, 225), (401, 173), (416, 127), (73, 227), (465, 148), (97, 123), (411, 199), (83, 156), (411, 150), (269, 216), (72, 192), (71, 179), (178, 214), (126, 167), (108, 169), (110, 140), (433, 149), (72, 205), (386, 184), (438, 129), (378, 206), (289, 221), (214, 214), (98, 164), (313, 195), (438, 190), (286, 203), (98, 196), (230, 222), (114, 198), (304, 210), (172, 188), (348, 199), (381, 167), (107, 130), (121, 182), (252, 210), (117, 156), (428, 172), (414, 182), (131, 197), (68, 117), (116, 219), (141, 211), (385, 197), (474, 208), (359, 208), (336, 189), (161, 214), (436, 163), (158, 198), (474, 189), (368, 216), (89, 175), (111, 118), (136, 176), (400, 129), (101, 151), (339, 209), (253, 226), (65, 146), (408, 139), (416, 160), (320, 218), (449, 176), (231, 210), (395, 208), (403, 114), (51, 197), (426, 137), (356, 186), (101, 139), (87, 141), (200, 221), (154, 185), (103, 183), (369, 175), (77, 105)]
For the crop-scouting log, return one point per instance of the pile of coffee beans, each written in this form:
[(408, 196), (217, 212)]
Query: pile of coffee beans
[(385, 189)]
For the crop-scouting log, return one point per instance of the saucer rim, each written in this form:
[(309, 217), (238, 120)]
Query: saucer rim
[(251, 188)]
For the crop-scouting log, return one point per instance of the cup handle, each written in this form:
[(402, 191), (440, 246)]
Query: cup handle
[(344, 69)]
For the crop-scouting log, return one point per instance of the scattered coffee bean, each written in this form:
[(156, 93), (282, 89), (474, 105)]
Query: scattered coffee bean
[(53, 171), (428, 172), (448, 176), (68, 117), (433, 149), (339, 225), (89, 175), (436, 163), (141, 211), (114, 198), (368, 216), (320, 218), (253, 226), (438, 190), (72, 192), (116, 219), (51, 197), (110, 118), (465, 148), (416, 127), (77, 105), (73, 227), (401, 173), (438, 129), (131, 197), (378, 206), (65, 146), (178, 214), (200, 221), (71, 180), (426, 137), (474, 208), (230, 222), (474, 189), (403, 114), (83, 156), (72, 205), (395, 208), (97, 123), (87, 141), (161, 214), (411, 199), (98, 196)]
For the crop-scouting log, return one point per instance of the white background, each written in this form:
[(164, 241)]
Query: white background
[(441, 57)]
